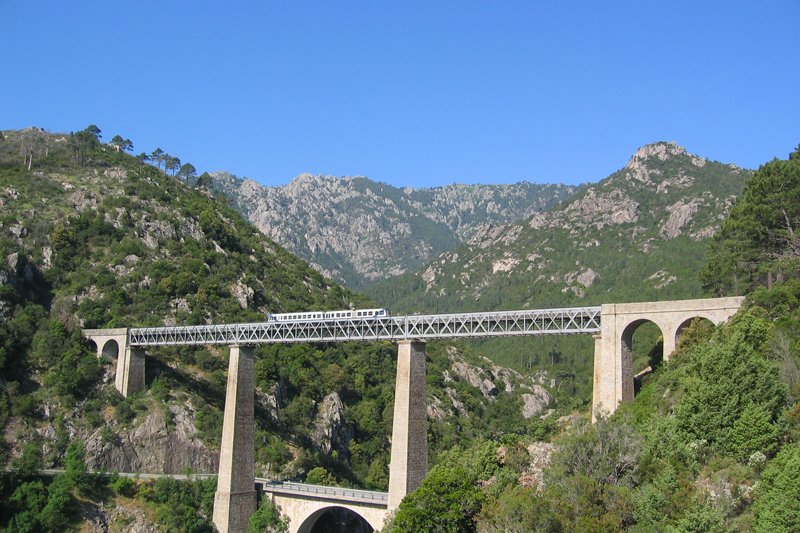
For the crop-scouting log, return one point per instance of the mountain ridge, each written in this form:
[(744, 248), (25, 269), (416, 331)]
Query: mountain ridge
[(358, 231), (664, 203)]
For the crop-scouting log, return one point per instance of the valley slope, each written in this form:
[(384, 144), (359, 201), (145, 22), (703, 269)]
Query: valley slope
[(93, 237)]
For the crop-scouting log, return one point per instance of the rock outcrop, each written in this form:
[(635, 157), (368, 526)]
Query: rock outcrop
[(331, 431), (540, 454), (151, 446), (535, 402), (491, 380)]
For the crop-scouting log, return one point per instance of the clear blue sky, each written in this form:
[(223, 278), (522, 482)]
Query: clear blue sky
[(416, 93)]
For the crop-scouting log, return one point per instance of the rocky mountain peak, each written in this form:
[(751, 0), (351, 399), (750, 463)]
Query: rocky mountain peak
[(661, 150), (645, 165), (305, 182), (663, 204)]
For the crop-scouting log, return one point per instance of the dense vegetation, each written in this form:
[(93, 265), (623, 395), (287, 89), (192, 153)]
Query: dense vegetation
[(709, 444), (91, 236)]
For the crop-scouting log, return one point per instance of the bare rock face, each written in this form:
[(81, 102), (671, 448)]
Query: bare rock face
[(541, 454), (475, 377), (458, 405), (600, 209), (680, 214), (535, 402), (152, 447), (507, 376), (119, 518), (331, 431), (637, 168), (436, 409), (242, 293), (117, 173), (156, 232), (271, 399)]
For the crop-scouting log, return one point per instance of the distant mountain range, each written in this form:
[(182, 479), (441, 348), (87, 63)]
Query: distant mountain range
[(358, 231), (639, 234)]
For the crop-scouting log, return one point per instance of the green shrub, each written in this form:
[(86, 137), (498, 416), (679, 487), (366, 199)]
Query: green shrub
[(777, 500), (267, 518), (124, 486), (734, 398)]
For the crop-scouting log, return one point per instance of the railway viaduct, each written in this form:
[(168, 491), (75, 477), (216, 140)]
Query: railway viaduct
[(612, 325)]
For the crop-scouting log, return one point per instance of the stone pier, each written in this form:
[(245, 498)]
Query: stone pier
[(235, 499), (130, 371), (409, 430)]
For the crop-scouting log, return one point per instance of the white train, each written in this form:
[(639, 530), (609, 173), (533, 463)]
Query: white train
[(322, 315)]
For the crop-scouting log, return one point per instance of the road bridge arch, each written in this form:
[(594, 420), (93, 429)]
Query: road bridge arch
[(303, 512)]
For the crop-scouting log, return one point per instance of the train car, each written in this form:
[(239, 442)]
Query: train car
[(294, 317), (370, 313), (329, 315)]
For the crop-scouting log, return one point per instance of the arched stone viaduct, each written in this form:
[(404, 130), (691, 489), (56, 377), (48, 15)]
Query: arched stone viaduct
[(235, 499), (613, 360), (128, 360)]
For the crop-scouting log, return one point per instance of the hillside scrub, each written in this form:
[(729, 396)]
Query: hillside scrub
[(710, 441), (650, 466), (91, 236)]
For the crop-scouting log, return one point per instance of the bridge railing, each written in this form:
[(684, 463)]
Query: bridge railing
[(333, 493), (491, 324)]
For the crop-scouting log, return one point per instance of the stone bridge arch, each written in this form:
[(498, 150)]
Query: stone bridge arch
[(303, 513), (613, 364), (113, 343), (686, 323)]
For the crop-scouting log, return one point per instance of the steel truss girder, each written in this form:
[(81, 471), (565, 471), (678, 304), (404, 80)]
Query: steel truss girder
[(448, 326)]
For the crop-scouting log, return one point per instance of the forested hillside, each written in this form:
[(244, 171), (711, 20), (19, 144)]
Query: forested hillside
[(91, 236), (709, 444)]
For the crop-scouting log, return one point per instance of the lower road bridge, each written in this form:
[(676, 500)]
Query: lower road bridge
[(307, 503), (612, 325)]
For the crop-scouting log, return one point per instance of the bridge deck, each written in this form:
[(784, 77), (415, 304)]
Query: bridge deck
[(369, 497), (492, 324)]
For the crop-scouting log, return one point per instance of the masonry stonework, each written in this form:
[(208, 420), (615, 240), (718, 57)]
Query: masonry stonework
[(613, 363), (410, 426), (235, 499)]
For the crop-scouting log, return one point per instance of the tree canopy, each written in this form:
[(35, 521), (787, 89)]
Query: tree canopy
[(759, 240)]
